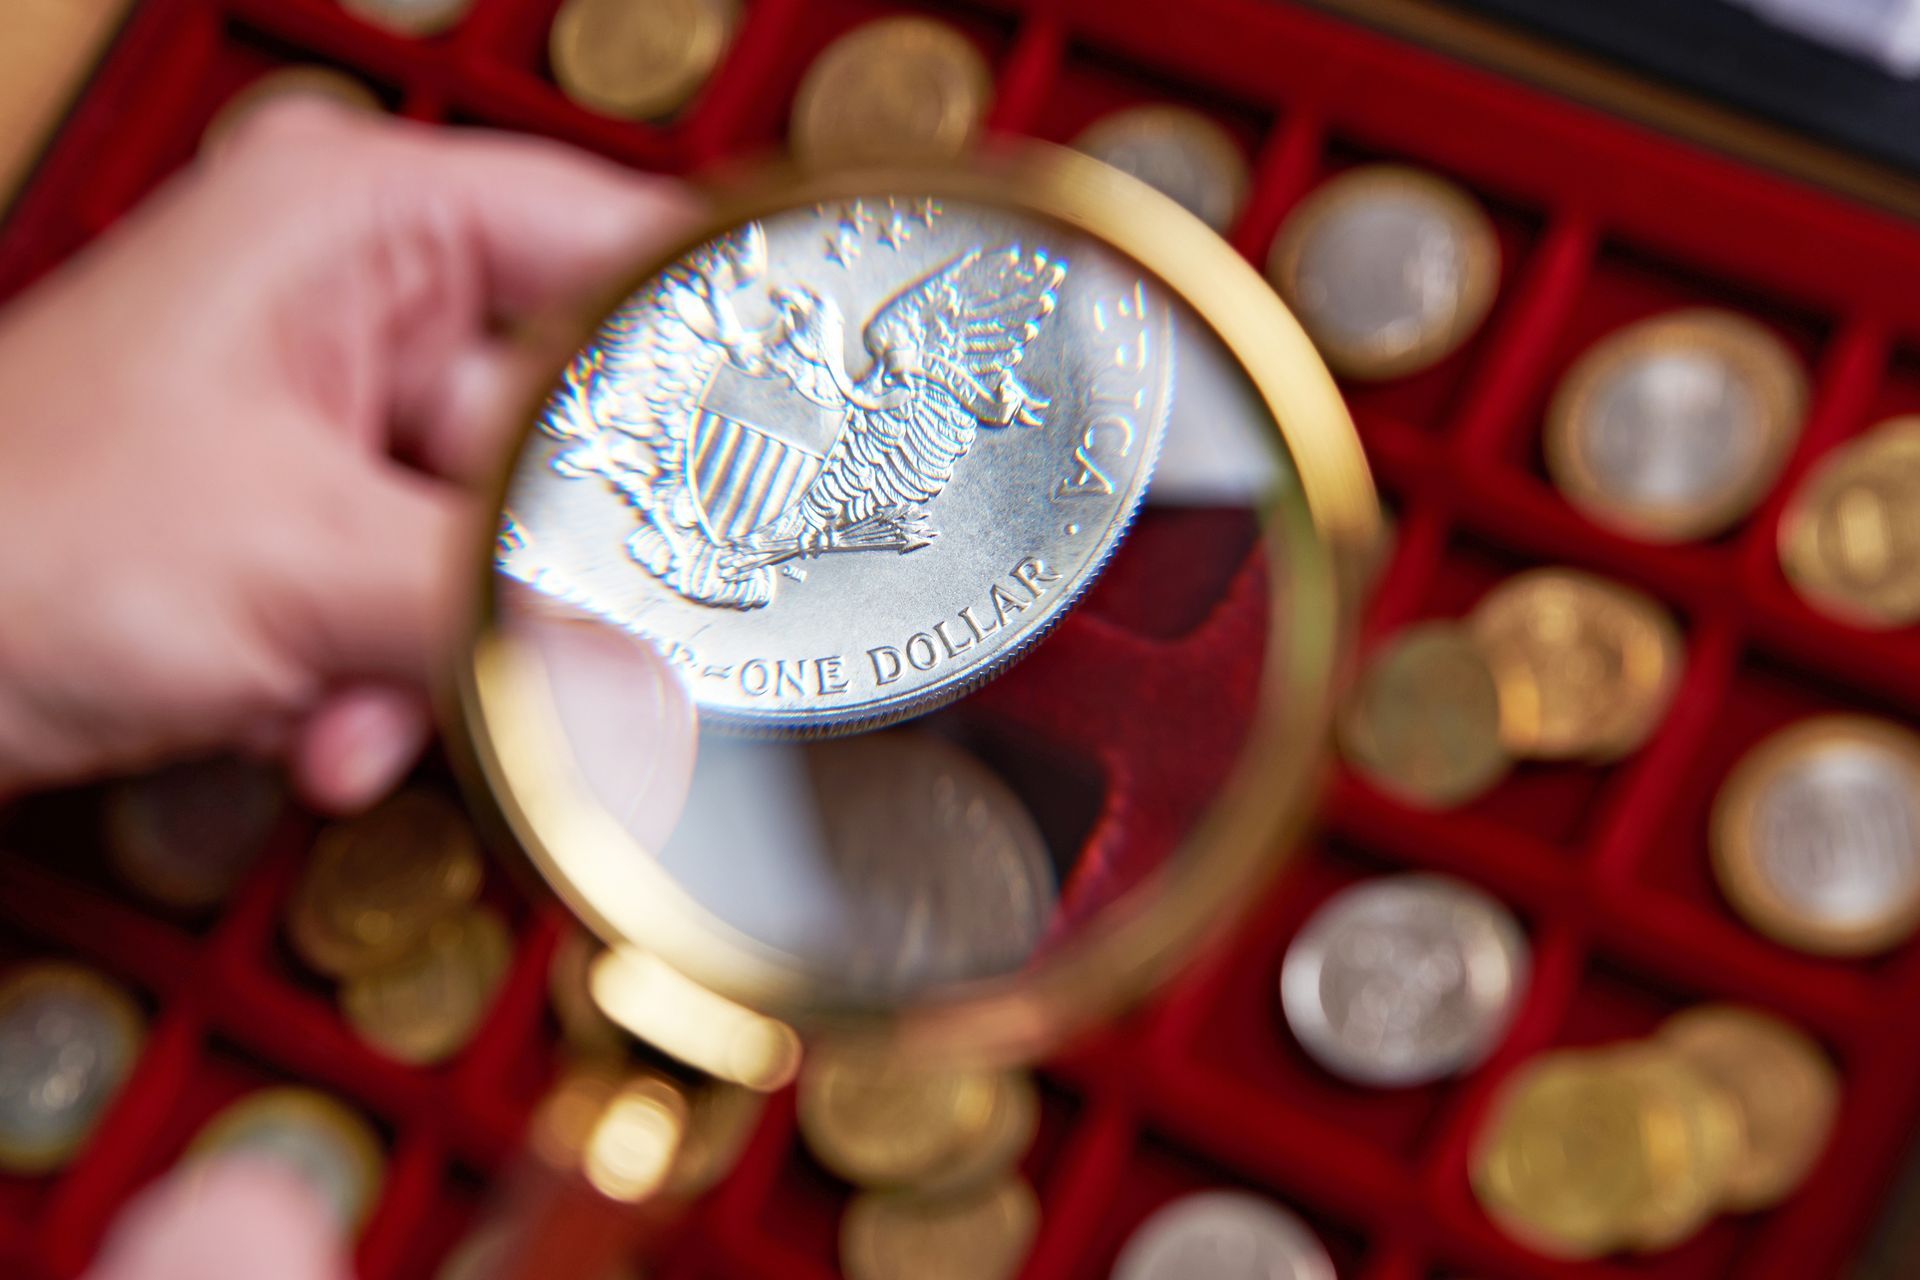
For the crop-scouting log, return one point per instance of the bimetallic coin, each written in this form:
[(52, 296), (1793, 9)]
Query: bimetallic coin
[(320, 82), (425, 1006), (975, 1235), (1390, 269), (1404, 979), (409, 17), (184, 835), (1180, 153), (1223, 1235), (68, 1039), (1424, 721), (1586, 668), (821, 546), (901, 89), (1816, 835), (1850, 538), (323, 1142), (1784, 1087), (638, 59), (1675, 427), (378, 882), (879, 1122)]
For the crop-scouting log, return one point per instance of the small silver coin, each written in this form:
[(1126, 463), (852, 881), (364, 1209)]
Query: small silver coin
[(1403, 979), (843, 463), (1223, 1235), (1180, 153), (68, 1038), (1837, 834)]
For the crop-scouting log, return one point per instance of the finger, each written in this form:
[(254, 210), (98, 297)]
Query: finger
[(233, 1219), (466, 420), (358, 745)]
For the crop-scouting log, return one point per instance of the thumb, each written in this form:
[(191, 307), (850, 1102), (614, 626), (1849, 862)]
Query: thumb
[(234, 1219)]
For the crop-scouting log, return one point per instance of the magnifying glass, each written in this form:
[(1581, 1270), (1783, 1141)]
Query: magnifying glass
[(991, 537)]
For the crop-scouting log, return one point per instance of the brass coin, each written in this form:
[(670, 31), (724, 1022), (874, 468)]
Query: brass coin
[(638, 59), (424, 1007), (68, 1040), (1675, 427), (1850, 537), (896, 89), (586, 1029), (378, 882), (324, 1142), (1691, 1142), (409, 17), (1180, 153), (1585, 667), (299, 81), (982, 1234), (1390, 269), (1002, 1143), (879, 1122), (1816, 835), (185, 834), (1784, 1087), (1424, 721)]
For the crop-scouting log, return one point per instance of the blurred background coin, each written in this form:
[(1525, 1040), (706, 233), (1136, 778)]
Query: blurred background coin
[(184, 835), (376, 883), (1223, 1234), (68, 1039), (1180, 153), (1816, 835), (638, 59), (425, 1006), (975, 1235), (900, 89), (878, 1121), (1423, 723), (1784, 1087), (1850, 536), (1674, 428), (409, 17), (1390, 269), (1404, 979), (1585, 667), (322, 1141)]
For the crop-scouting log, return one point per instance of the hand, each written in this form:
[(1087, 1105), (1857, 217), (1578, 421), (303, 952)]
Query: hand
[(237, 436)]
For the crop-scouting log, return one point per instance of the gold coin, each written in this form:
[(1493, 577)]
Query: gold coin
[(638, 59), (895, 89), (1691, 1139), (301, 81), (425, 1006), (1562, 1166), (1001, 1145), (409, 17), (1180, 153), (880, 1122), (1782, 1084), (982, 1234), (326, 1144), (185, 834), (586, 1029), (1424, 721), (1675, 427), (68, 1040), (1850, 537), (1816, 835), (1390, 269), (378, 882), (1585, 667)]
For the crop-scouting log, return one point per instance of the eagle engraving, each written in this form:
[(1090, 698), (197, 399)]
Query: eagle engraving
[(745, 447)]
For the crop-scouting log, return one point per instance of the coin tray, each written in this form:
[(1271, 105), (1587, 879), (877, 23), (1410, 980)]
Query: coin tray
[(1600, 223)]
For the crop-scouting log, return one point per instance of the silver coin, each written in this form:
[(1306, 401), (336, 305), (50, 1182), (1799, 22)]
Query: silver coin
[(1676, 427), (1179, 153), (1223, 1235), (1403, 979), (68, 1038), (826, 528), (1381, 275), (1837, 834)]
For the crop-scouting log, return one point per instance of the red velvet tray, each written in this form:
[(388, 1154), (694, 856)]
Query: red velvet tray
[(1600, 222)]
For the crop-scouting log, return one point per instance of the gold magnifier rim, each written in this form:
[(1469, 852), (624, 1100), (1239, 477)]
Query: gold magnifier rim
[(1318, 538)]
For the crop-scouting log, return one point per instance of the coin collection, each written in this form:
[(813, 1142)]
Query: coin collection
[(388, 908), (1634, 1146), (1552, 665), (934, 1152)]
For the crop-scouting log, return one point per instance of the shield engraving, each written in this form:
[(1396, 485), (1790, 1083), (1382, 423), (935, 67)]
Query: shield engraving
[(756, 447)]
